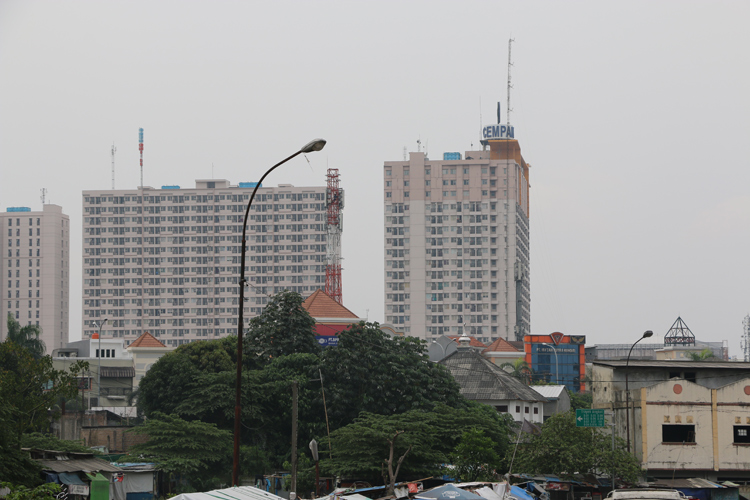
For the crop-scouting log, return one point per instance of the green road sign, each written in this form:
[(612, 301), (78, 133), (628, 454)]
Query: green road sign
[(590, 418)]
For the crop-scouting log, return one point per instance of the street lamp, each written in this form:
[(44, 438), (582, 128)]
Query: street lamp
[(557, 367), (314, 145), (99, 371), (645, 335)]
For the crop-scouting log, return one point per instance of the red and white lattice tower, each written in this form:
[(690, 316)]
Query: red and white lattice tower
[(334, 220)]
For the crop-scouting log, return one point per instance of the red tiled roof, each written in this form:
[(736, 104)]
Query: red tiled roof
[(146, 340), (321, 305), (474, 342), (502, 345)]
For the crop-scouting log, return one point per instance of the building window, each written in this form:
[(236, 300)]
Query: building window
[(536, 411), (526, 410), (518, 409), (502, 408), (678, 434), (388, 194), (742, 434)]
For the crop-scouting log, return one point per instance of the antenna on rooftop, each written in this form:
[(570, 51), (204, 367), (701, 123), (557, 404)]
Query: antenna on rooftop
[(114, 150), (419, 145), (44, 195), (140, 148), (510, 64), (405, 157)]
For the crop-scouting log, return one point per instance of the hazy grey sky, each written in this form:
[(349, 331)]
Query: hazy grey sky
[(633, 115)]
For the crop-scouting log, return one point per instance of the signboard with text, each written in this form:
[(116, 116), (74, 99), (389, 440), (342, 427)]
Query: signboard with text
[(590, 418)]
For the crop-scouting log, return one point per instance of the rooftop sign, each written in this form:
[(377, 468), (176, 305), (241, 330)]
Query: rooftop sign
[(498, 132)]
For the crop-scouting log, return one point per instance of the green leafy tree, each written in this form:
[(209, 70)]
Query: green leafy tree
[(26, 337), (30, 388), (705, 355), (373, 372), (39, 441), (284, 327), (519, 369), (15, 466), (378, 445), (580, 400), (564, 449), (186, 369), (412, 444), (196, 450), (47, 491), (475, 458)]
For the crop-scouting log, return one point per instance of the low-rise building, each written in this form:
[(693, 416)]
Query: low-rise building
[(682, 419), (483, 381), (558, 399)]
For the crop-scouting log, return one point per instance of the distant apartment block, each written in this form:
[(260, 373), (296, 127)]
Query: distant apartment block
[(457, 244), (35, 267), (167, 261)]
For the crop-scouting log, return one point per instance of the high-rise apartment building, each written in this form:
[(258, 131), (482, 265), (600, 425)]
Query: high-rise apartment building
[(167, 260), (457, 242), (35, 267)]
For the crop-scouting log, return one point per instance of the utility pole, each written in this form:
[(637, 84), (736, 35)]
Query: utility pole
[(295, 397)]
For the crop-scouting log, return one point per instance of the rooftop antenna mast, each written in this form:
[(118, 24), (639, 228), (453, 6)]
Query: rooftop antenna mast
[(745, 342), (510, 64), (140, 148), (114, 150), (44, 195)]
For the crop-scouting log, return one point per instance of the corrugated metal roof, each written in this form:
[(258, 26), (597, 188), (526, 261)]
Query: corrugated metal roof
[(481, 380), (77, 465), (549, 391), (118, 371), (668, 363)]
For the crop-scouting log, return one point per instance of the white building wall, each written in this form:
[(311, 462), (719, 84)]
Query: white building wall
[(35, 271), (452, 244), (167, 261)]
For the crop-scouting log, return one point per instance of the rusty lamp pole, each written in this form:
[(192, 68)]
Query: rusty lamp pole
[(645, 335), (314, 145)]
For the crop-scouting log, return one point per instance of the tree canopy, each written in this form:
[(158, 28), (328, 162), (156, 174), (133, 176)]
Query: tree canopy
[(421, 440), (26, 337), (564, 449), (195, 449), (373, 372), (29, 389), (368, 371)]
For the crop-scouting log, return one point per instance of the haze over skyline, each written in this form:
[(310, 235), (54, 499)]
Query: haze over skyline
[(633, 116)]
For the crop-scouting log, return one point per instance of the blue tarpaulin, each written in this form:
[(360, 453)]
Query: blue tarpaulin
[(520, 493), (448, 492)]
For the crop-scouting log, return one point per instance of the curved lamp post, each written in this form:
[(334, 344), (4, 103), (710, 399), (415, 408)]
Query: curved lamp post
[(645, 335), (314, 145), (557, 367)]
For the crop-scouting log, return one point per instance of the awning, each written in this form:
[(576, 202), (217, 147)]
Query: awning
[(118, 372), (67, 478)]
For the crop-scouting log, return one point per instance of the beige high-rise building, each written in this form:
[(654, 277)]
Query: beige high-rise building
[(35, 267), (167, 261), (457, 242)]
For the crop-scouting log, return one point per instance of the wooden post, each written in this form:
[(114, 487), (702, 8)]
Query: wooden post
[(295, 396)]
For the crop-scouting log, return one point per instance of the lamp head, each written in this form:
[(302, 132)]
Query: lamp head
[(647, 334), (314, 145)]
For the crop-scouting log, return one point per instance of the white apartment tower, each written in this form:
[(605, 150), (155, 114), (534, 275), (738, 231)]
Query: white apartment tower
[(457, 242), (35, 267), (167, 261)]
